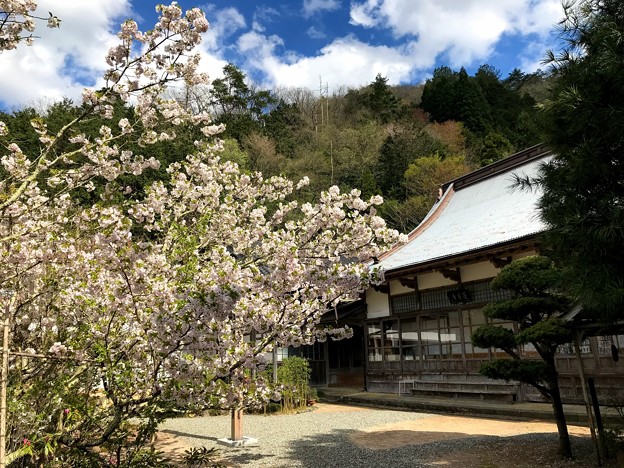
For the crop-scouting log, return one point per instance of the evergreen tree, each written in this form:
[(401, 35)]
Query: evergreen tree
[(471, 106), (238, 105), (355, 110), (381, 101), (401, 148), (367, 184), (583, 199), (493, 147), (513, 113), (438, 98), (536, 308), (485, 104), (282, 125), (515, 79)]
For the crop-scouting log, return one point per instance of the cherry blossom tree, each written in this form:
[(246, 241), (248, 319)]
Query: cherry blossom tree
[(18, 21), (168, 298)]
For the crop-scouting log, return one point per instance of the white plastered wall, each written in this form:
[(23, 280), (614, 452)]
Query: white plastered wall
[(478, 271), (524, 254), (376, 304), (397, 288), (433, 280)]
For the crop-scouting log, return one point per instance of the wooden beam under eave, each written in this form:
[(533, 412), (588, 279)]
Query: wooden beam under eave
[(501, 250), (409, 282), (451, 274), (499, 262), (382, 288)]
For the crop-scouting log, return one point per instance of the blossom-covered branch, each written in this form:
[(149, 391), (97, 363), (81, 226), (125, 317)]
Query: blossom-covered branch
[(174, 295), (18, 22)]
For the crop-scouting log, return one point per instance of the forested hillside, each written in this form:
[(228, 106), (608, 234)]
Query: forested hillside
[(398, 141)]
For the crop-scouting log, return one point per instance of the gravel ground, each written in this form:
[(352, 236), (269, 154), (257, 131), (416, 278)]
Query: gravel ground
[(320, 438), (310, 439)]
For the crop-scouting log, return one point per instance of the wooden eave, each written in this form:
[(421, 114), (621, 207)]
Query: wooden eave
[(505, 249)]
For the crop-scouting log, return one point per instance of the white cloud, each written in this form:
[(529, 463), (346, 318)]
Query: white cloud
[(63, 60), (265, 14), (254, 41), (539, 17), (314, 33), (223, 24), (361, 14), (533, 56), (462, 33), (345, 62), (466, 30), (311, 7)]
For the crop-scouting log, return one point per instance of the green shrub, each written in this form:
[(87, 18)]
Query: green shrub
[(201, 456), (272, 407), (294, 375)]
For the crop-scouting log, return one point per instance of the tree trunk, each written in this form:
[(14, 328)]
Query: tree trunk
[(564, 438), (565, 450)]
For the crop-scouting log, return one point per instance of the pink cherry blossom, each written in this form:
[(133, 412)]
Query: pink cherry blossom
[(176, 294)]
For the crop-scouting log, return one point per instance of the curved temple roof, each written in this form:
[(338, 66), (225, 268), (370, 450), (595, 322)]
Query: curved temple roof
[(484, 212)]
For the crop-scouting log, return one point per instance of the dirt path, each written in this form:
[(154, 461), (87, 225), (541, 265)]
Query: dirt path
[(439, 428), (173, 447)]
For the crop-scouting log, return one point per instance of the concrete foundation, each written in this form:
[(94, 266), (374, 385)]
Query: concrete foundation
[(244, 442)]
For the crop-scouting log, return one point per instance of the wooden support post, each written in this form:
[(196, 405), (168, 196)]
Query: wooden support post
[(598, 416), (588, 409), (237, 423)]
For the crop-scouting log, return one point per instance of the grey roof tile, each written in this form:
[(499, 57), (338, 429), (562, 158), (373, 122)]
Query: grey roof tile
[(489, 212)]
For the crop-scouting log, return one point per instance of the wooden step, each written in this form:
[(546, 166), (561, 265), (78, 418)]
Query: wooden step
[(491, 389)]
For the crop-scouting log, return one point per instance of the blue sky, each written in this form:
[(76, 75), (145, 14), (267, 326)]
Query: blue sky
[(293, 43)]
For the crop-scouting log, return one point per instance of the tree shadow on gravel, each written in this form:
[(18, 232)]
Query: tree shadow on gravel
[(337, 449), (243, 457), (238, 456), (188, 434)]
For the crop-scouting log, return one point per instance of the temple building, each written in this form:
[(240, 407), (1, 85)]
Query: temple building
[(412, 333)]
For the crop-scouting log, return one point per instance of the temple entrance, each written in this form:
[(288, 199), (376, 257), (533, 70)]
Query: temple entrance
[(336, 363), (339, 363), (315, 354), (346, 360)]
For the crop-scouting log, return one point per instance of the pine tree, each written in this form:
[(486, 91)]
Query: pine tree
[(537, 310), (471, 107), (238, 105), (381, 101), (583, 200), (439, 98)]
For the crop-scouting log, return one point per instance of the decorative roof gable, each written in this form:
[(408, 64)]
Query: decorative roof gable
[(476, 211)]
